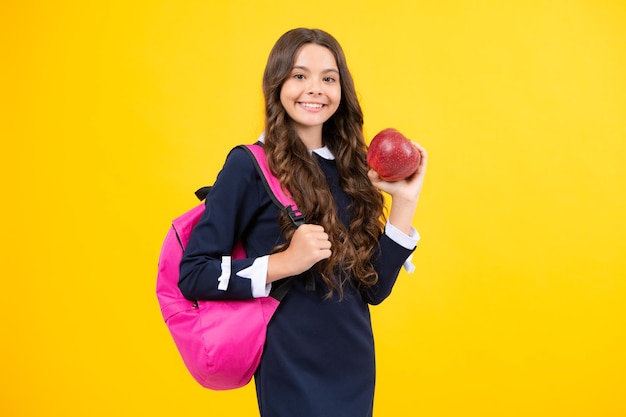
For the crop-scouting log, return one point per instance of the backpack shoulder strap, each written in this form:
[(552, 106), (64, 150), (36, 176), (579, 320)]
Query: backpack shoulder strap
[(278, 194), (282, 198)]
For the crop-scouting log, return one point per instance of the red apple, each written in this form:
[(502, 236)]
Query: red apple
[(392, 155)]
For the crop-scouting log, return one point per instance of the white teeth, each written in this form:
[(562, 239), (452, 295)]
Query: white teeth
[(312, 105)]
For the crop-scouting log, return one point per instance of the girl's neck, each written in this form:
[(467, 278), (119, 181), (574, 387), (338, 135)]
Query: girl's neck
[(312, 138)]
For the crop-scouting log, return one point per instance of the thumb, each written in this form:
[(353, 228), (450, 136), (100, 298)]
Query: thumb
[(373, 175)]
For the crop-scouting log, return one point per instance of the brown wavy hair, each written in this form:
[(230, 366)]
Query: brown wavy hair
[(354, 246)]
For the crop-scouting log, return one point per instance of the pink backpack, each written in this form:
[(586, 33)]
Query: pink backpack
[(220, 342)]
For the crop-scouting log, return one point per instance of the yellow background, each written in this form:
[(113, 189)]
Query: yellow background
[(114, 112)]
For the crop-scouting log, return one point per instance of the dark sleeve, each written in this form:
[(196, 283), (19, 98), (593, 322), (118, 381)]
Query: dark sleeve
[(388, 261), (230, 208)]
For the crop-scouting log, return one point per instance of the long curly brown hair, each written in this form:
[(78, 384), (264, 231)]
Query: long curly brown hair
[(353, 247)]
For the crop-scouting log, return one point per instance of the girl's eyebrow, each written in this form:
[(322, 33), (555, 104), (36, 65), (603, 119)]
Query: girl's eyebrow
[(303, 68)]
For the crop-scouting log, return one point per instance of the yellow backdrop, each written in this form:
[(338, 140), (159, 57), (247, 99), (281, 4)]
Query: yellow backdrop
[(113, 112)]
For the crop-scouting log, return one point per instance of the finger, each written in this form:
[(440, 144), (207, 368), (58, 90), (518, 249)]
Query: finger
[(423, 153), (321, 234), (325, 254), (317, 235), (373, 175), (312, 228), (324, 244)]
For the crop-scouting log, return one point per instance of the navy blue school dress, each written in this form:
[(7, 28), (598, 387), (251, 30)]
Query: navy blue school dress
[(319, 355)]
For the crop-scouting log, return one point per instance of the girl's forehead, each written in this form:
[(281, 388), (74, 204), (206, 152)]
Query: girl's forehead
[(315, 54)]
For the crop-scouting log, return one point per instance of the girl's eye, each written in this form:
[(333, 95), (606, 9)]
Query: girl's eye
[(298, 76), (329, 79)]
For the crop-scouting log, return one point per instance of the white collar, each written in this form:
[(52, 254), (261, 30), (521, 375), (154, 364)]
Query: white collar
[(324, 152)]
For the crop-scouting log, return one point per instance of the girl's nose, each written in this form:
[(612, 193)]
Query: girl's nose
[(314, 88)]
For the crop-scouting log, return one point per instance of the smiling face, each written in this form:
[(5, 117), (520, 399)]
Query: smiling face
[(311, 93)]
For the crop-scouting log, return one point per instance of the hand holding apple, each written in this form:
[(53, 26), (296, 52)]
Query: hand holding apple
[(393, 156)]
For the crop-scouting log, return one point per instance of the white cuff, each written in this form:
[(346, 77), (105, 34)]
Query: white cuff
[(408, 265), (224, 279), (257, 274), (406, 241)]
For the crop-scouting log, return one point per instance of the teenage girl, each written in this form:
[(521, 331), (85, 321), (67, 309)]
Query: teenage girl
[(318, 360)]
